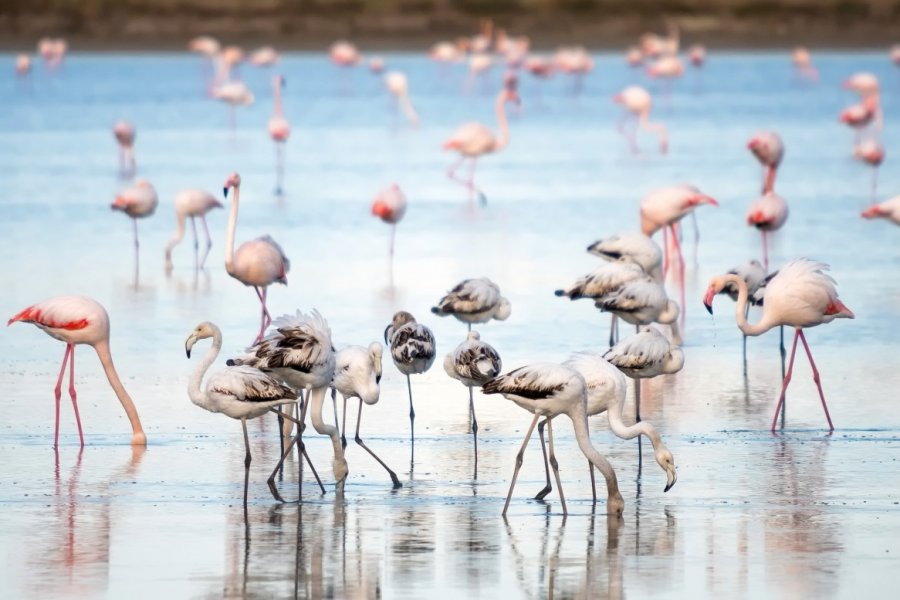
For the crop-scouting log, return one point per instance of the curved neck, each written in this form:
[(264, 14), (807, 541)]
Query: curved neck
[(232, 225), (176, 237), (503, 127), (769, 181), (629, 432), (741, 310), (278, 110), (102, 349), (317, 399), (578, 414), (197, 395)]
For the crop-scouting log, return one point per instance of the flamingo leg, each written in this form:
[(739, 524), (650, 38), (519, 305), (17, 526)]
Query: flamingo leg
[(359, 441), (593, 482), (136, 244), (280, 442), (412, 425), (787, 379), (874, 183), (393, 236), (474, 423), (548, 487), (555, 465), (343, 427), (279, 167), (482, 199), (196, 242), (765, 249), (265, 318), (247, 457), (783, 360), (744, 342), (298, 441), (208, 241), (519, 456), (816, 378), (613, 330), (73, 395), (58, 392), (677, 245)]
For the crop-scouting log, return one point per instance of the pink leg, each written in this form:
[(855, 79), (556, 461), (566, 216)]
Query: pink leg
[(73, 395), (787, 379), (765, 244), (58, 393), (264, 314), (680, 269), (816, 378)]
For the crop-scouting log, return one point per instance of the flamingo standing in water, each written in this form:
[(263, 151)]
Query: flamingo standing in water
[(473, 363), (279, 131), (258, 263), (767, 213), (79, 320), (631, 247), (138, 202), (637, 103), (23, 65), (398, 86), (194, 204), (234, 94), (474, 301), (803, 66), (390, 206), (889, 209), (124, 133), (474, 140), (264, 56), (801, 295), (871, 152), (208, 47), (768, 149), (697, 55), (549, 390), (344, 54), (754, 275)]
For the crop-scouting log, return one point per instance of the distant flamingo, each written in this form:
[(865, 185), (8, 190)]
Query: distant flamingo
[(279, 131), (768, 149), (473, 363), (445, 52), (53, 51), (398, 87), (767, 213), (390, 206), (376, 65), (895, 54), (697, 55), (258, 263), (79, 320), (474, 301), (265, 56), (631, 247), (344, 54), (138, 202), (482, 41), (637, 103), (871, 152), (232, 57), (194, 204), (124, 133), (889, 209), (803, 66), (479, 65), (234, 94), (549, 390), (23, 65), (209, 48), (859, 116), (634, 58), (474, 140), (575, 61), (801, 295)]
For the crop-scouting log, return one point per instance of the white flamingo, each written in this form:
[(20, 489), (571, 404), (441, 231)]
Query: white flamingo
[(549, 390), (635, 248), (193, 204), (474, 301)]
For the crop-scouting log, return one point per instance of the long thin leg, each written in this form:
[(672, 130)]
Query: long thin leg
[(612, 330), (555, 465), (287, 451), (744, 343), (393, 235), (666, 257), (208, 241), (58, 392), (816, 378), (279, 167), (787, 380), (474, 429), (548, 487), (593, 482), (874, 183), (359, 441), (519, 456), (765, 249), (136, 244), (482, 199), (196, 242), (412, 425), (637, 417), (783, 351), (247, 457), (680, 271), (73, 395), (344, 424), (281, 442)]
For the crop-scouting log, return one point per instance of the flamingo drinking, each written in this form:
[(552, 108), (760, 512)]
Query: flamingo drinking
[(193, 204)]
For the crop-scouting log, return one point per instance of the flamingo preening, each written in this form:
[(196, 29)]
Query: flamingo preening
[(80, 320), (474, 301), (125, 134), (279, 131), (768, 149), (631, 247), (801, 295), (193, 204)]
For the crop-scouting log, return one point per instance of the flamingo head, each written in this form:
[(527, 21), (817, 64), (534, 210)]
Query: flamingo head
[(716, 285), (665, 460), (233, 181), (873, 212), (201, 332)]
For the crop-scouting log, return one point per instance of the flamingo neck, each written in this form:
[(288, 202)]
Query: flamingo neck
[(742, 307), (317, 399), (102, 348), (176, 237), (229, 237), (278, 108), (629, 432), (198, 396), (502, 124), (578, 414), (769, 182)]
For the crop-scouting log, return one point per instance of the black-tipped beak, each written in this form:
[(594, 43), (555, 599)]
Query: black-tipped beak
[(435, 310), (225, 191), (378, 379), (668, 487), (386, 341), (708, 307), (188, 352), (560, 293)]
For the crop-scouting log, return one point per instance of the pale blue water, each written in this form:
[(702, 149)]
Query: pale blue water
[(802, 515)]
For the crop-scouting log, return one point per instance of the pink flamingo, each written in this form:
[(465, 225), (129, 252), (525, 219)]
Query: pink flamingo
[(279, 130), (344, 54), (265, 56), (398, 87), (138, 202), (79, 320), (124, 133), (474, 140), (194, 204), (638, 103), (258, 263), (859, 116), (889, 209), (390, 206), (801, 295), (871, 152), (697, 55), (768, 149), (23, 65), (803, 67), (767, 213), (634, 58), (209, 48)]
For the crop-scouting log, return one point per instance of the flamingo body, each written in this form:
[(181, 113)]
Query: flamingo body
[(474, 301), (889, 209)]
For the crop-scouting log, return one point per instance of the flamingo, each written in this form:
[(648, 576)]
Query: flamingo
[(479, 64), (473, 363), (605, 388), (641, 302), (859, 116), (344, 54), (299, 353), (474, 301), (803, 67), (754, 276), (398, 87), (574, 61), (209, 48), (80, 320), (645, 355), (279, 131), (768, 149), (412, 348), (376, 65), (124, 133), (53, 51), (634, 58), (889, 209), (195, 204), (390, 206), (482, 41), (666, 67), (767, 213), (232, 57), (445, 52), (549, 390), (637, 104), (697, 55), (801, 295), (540, 67), (23, 65), (474, 140), (234, 94), (894, 54), (138, 202), (258, 263), (631, 247), (357, 374), (871, 152), (265, 56)]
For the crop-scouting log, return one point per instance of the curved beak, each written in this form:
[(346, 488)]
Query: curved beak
[(386, 341), (225, 191), (708, 299), (189, 343), (671, 478)]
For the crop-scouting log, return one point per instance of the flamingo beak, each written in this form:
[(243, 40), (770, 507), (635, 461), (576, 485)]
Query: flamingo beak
[(225, 191), (708, 200), (753, 144), (708, 299), (671, 478), (871, 212)]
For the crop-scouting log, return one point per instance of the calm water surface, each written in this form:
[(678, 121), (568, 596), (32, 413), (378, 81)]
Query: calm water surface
[(801, 515)]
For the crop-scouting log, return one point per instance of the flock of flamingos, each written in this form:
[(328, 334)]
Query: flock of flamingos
[(291, 364)]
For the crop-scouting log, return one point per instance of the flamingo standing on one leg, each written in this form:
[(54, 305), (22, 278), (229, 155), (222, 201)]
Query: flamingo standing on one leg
[(549, 390), (279, 131), (357, 374), (138, 202), (412, 348), (635, 248), (871, 152), (768, 149), (754, 275), (390, 206), (474, 140), (767, 213), (79, 320), (398, 86), (193, 204), (474, 301), (473, 363), (638, 103), (258, 263), (889, 209), (801, 295), (124, 133)]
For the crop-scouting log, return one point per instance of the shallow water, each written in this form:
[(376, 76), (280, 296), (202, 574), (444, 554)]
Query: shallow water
[(802, 514)]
